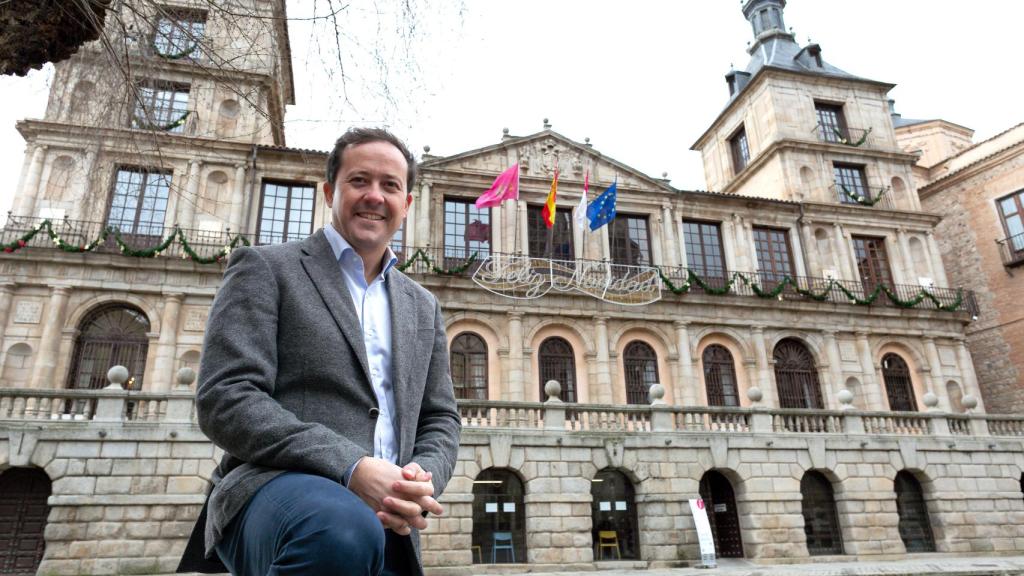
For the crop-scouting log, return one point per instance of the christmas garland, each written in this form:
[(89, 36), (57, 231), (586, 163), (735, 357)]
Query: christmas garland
[(861, 199), (152, 252), (178, 55), (166, 127), (421, 255), (843, 140)]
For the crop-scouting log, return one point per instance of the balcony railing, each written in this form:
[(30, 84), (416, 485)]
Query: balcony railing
[(879, 196), (841, 134), (1012, 250)]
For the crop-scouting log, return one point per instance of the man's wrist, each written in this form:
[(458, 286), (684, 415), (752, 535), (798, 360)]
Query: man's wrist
[(347, 478)]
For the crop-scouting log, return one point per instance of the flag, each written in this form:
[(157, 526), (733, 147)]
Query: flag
[(602, 210), (505, 187), (580, 213), (549, 205)]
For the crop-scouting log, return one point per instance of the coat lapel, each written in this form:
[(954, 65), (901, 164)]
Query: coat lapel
[(403, 342), (322, 267)]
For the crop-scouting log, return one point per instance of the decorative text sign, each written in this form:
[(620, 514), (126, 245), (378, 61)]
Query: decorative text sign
[(525, 277)]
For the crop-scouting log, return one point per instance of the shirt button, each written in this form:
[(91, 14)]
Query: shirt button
[(374, 412)]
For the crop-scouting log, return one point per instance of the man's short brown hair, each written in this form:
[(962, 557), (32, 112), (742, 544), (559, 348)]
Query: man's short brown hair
[(356, 136)]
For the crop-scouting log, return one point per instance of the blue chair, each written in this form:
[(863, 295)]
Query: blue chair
[(502, 541)]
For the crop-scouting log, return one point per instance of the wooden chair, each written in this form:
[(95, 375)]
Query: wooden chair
[(608, 539)]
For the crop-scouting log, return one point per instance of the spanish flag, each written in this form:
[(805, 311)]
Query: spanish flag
[(549, 205)]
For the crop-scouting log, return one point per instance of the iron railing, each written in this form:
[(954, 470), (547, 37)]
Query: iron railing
[(841, 134), (1011, 250), (883, 195)]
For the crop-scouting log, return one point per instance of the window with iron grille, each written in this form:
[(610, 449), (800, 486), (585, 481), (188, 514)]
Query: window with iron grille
[(23, 513), (630, 240), (469, 366), (499, 518), (720, 503), (914, 524), (161, 106), (704, 252), (613, 517), (720, 376), (1011, 212), (898, 385), (851, 178), (179, 32), (467, 230), (796, 376), (831, 123), (774, 257), (740, 150), (872, 261), (641, 364), (557, 362), (821, 522), (111, 335), (555, 242), (286, 212), (138, 202)]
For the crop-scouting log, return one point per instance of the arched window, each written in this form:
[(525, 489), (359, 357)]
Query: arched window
[(17, 365), (796, 376), (720, 503), (897, 384), (956, 397), (720, 376), (915, 527), (111, 335), (641, 365), (23, 512), (469, 366), (614, 528), (557, 362), (499, 518), (821, 522)]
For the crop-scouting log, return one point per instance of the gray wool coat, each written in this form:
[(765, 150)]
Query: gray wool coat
[(284, 385)]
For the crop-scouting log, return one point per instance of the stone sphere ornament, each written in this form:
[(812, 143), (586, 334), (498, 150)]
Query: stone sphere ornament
[(754, 394), (553, 390), (845, 398), (930, 400), (657, 394), (117, 375), (969, 402), (186, 376)]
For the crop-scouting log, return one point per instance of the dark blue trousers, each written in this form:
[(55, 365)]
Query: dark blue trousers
[(301, 524)]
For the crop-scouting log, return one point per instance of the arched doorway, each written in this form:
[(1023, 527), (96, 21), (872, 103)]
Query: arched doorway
[(469, 366), (898, 385), (499, 518), (23, 512), (557, 362), (796, 376), (641, 365), (821, 522), (613, 510), (720, 502), (915, 526), (110, 335), (720, 376)]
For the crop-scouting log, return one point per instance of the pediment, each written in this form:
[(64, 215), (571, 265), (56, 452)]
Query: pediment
[(539, 154)]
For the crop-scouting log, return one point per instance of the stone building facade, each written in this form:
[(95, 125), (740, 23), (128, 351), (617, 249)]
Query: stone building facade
[(814, 378)]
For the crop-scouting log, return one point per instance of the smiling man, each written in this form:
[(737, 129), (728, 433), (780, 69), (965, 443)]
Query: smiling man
[(324, 378)]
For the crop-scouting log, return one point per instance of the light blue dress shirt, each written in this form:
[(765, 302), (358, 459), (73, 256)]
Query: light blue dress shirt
[(372, 305)]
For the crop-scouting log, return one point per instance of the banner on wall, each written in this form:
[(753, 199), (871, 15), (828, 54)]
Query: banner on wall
[(704, 536)]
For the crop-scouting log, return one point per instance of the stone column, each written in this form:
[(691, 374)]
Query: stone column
[(668, 234), (810, 247), (410, 221), (685, 392), (935, 369), (237, 200), (606, 248), (162, 375), (935, 255), (969, 378), (88, 172), (798, 253), (6, 298), (496, 216), (603, 393), (423, 216), (187, 204), (514, 389), (871, 389), (842, 253), (523, 228), (909, 267), (656, 235), (681, 244), (835, 362), (49, 343), (733, 259), (764, 380), (30, 191)]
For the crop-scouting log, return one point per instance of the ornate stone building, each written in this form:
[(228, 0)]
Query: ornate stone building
[(814, 385)]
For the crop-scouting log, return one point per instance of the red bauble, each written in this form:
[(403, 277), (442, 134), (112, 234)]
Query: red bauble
[(8, 250), (21, 243)]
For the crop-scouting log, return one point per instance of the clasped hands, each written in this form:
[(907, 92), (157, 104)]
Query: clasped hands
[(399, 496)]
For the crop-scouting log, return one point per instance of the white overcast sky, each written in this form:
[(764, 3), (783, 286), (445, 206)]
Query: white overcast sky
[(643, 79)]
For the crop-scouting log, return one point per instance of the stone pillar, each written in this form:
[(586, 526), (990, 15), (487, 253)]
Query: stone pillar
[(871, 389), (410, 221), (6, 298), (187, 204), (969, 379), (162, 375), (423, 216), (734, 260), (935, 369), (764, 379), (681, 244), (909, 266), (840, 253), (30, 191), (606, 248), (237, 200), (514, 389), (668, 236), (835, 366), (523, 228), (798, 253), (810, 247), (88, 171), (603, 393), (656, 235), (47, 355), (496, 217), (935, 255), (685, 392)]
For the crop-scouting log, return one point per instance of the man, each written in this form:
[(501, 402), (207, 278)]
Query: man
[(324, 368)]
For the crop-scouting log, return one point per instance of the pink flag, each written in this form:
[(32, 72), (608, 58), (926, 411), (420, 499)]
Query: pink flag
[(505, 187)]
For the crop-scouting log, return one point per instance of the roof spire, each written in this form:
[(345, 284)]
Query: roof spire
[(766, 18)]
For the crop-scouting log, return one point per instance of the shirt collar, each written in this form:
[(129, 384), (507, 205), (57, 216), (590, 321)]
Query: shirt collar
[(340, 246)]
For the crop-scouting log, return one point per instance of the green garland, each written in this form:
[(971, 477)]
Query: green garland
[(176, 56), (165, 127), (862, 200), (108, 231), (421, 255), (843, 140)]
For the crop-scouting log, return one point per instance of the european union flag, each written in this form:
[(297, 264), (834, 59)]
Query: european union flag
[(602, 210)]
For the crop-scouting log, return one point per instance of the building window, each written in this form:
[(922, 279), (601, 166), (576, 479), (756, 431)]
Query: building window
[(111, 335), (286, 212), (178, 32), (740, 150), (872, 262), (467, 231), (774, 257), (796, 376), (821, 522), (469, 366), (720, 502), (555, 242), (138, 203), (831, 123), (720, 376), (23, 513), (161, 106), (398, 242), (914, 524), (704, 251), (614, 519), (630, 241), (557, 362), (850, 180), (1011, 211), (898, 385), (641, 365), (499, 518)]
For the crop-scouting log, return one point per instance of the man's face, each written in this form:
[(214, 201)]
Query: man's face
[(370, 199)]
